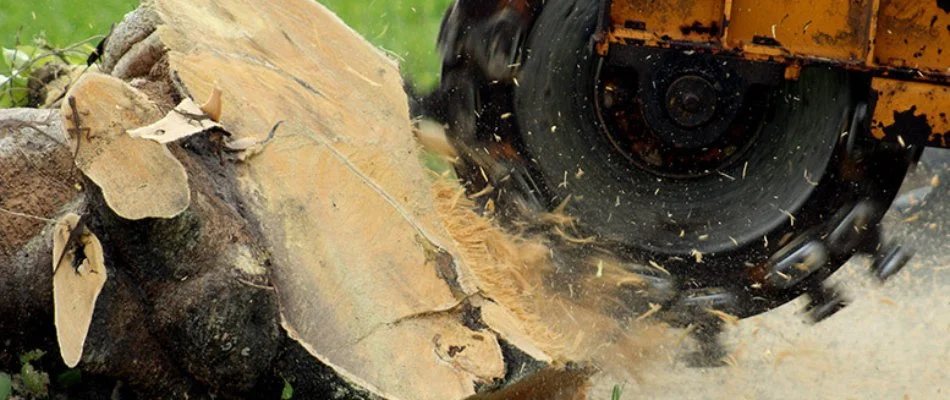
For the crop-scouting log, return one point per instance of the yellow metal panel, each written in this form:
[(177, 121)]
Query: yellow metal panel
[(911, 112), (836, 29), (692, 20), (914, 34)]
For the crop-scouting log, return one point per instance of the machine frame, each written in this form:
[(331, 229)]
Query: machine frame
[(903, 44)]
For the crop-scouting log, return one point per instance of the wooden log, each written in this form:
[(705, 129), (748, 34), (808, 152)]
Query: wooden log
[(302, 240)]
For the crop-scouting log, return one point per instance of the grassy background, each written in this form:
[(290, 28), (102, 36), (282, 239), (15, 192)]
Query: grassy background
[(407, 28)]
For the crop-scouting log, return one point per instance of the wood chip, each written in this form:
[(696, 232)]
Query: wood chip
[(77, 281), (185, 120)]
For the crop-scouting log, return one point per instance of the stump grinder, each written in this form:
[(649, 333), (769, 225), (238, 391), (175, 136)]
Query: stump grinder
[(749, 147)]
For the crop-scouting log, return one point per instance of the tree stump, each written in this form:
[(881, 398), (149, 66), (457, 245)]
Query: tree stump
[(290, 232)]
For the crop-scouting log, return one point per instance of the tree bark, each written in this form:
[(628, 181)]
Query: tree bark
[(318, 251)]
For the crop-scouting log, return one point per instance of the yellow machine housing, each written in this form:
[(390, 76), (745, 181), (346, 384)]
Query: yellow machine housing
[(904, 44)]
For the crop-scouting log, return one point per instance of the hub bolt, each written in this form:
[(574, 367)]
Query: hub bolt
[(691, 101)]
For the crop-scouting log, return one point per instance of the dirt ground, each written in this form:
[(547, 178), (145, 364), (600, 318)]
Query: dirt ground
[(892, 342)]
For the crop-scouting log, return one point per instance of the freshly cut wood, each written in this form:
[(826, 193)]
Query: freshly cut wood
[(139, 178), (328, 226), (79, 273), (186, 119), (365, 270)]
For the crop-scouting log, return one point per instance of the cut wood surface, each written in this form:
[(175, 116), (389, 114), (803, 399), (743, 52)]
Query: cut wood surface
[(364, 268), (382, 270), (359, 248), (296, 236), (78, 277), (138, 178)]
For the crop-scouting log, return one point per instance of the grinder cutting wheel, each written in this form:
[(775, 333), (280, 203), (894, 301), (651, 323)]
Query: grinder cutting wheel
[(749, 149)]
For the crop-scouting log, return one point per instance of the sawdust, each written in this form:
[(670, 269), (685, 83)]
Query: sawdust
[(509, 269), (578, 313)]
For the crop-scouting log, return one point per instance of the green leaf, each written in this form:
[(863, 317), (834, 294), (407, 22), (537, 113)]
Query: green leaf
[(617, 392), (15, 58), (287, 393), (6, 386), (6, 101), (35, 381), (30, 356), (69, 378)]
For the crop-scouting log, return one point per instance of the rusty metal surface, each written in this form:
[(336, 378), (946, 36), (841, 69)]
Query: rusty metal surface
[(680, 20), (885, 37), (914, 34), (911, 112), (903, 39), (818, 28)]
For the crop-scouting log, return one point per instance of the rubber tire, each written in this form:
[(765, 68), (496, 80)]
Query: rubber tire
[(555, 100)]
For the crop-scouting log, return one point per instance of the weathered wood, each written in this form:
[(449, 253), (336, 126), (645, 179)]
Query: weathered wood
[(35, 186)]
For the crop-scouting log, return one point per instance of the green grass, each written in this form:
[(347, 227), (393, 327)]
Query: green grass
[(62, 21), (406, 28)]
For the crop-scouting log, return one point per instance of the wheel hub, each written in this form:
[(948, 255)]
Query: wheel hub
[(714, 166), (682, 116), (691, 101)]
